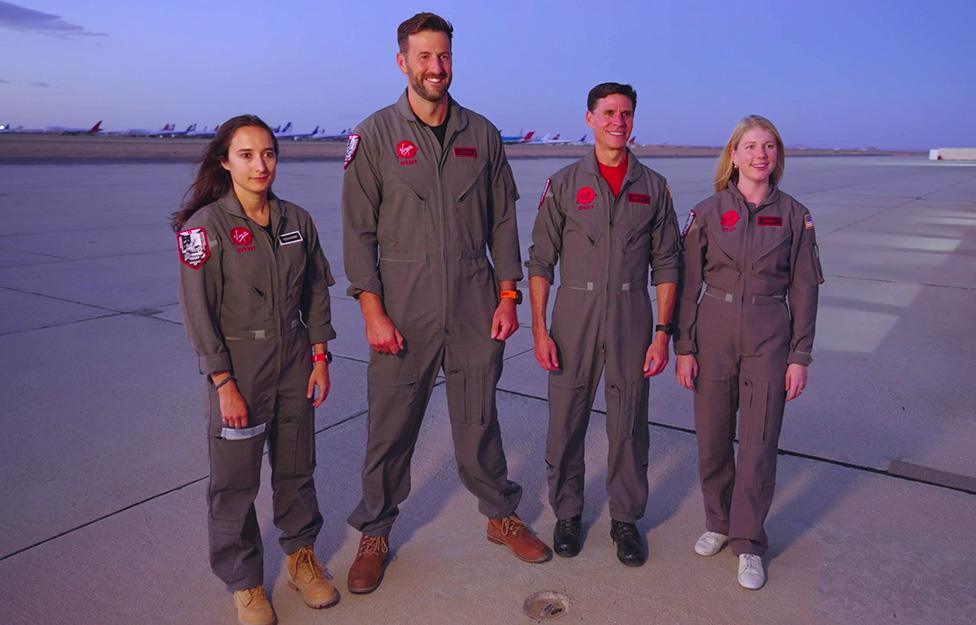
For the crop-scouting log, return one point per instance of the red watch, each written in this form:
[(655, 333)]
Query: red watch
[(515, 295), (325, 357)]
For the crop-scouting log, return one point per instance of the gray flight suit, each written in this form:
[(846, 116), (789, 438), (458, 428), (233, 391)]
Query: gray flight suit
[(253, 305), (747, 309), (602, 320), (418, 222)]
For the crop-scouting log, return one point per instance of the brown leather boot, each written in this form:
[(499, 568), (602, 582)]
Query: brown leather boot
[(512, 532), (366, 572), (306, 574), (253, 607)]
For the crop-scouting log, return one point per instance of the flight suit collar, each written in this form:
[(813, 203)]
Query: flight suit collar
[(771, 197), (276, 211), (634, 169), (457, 120)]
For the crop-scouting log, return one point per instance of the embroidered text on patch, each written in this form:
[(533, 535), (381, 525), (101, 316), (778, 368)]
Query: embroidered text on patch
[(808, 222), (290, 237), (352, 146), (691, 220), (639, 198), (193, 246), (545, 193)]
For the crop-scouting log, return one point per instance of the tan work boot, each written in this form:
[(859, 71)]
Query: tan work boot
[(366, 572), (512, 532), (306, 574), (253, 607)]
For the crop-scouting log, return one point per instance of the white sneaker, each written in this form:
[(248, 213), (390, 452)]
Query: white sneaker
[(751, 572), (710, 543)]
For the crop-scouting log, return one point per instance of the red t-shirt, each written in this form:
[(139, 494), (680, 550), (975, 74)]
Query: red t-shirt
[(614, 175)]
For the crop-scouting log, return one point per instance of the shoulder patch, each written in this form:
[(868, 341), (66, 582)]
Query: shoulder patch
[(545, 193), (688, 223), (667, 188), (808, 222), (352, 146), (193, 246)]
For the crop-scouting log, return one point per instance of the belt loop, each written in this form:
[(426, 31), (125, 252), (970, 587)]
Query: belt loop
[(259, 334), (589, 286), (625, 286), (728, 297)]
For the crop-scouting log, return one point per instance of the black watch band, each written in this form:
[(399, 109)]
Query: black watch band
[(667, 328)]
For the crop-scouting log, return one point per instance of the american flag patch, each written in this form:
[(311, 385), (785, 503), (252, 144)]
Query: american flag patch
[(808, 222)]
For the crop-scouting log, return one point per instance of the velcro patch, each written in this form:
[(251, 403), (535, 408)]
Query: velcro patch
[(352, 146), (766, 220), (193, 246), (545, 193), (290, 237), (639, 198), (465, 152), (808, 222), (688, 223)]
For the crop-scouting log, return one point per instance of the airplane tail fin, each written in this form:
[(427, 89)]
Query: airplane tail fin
[(528, 135), (632, 142), (97, 127)]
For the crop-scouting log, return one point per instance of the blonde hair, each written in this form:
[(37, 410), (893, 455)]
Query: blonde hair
[(725, 172)]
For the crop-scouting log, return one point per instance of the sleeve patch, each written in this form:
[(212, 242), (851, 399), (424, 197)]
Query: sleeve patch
[(808, 222), (352, 147), (193, 246), (688, 223), (545, 192)]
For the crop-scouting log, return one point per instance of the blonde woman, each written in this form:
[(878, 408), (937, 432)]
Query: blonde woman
[(744, 344)]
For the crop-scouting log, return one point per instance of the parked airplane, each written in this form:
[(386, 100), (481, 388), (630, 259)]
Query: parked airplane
[(296, 136), (64, 130), (518, 138), (206, 133), (280, 130), (140, 132), (342, 136), (176, 133)]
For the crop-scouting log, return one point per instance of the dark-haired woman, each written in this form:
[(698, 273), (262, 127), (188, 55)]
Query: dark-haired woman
[(254, 294), (744, 344)]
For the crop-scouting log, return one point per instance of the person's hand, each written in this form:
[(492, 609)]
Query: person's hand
[(382, 335), (233, 408), (686, 370), (319, 378), (504, 322), (656, 357), (545, 352), (796, 381)]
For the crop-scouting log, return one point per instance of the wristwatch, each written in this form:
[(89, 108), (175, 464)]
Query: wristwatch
[(667, 328), (515, 295), (326, 358)]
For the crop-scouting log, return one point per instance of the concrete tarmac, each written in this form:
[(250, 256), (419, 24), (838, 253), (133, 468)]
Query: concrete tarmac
[(103, 455)]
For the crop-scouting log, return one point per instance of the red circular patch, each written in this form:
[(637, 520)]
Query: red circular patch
[(241, 237), (585, 195), (406, 149), (729, 219)]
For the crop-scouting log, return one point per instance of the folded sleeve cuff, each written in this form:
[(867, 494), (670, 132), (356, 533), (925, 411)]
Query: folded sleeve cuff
[(540, 271), (321, 334), (685, 347), (371, 285), (508, 271), (212, 363), (664, 275), (799, 358)]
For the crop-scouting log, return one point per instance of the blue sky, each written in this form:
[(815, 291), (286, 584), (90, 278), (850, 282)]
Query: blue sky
[(896, 74)]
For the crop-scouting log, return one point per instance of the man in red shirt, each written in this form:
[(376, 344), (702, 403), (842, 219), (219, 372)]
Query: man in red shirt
[(605, 219)]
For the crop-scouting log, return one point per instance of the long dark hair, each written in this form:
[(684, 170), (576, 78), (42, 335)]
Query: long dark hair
[(212, 181)]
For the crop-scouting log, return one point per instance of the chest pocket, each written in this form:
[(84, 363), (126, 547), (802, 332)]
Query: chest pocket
[(773, 251), (636, 216), (292, 259)]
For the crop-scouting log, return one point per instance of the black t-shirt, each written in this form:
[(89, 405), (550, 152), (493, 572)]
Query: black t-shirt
[(440, 131)]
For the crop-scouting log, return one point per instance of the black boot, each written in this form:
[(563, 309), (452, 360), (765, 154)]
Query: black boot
[(566, 537), (630, 549)]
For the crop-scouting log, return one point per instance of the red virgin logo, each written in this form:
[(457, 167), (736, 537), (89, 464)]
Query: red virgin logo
[(729, 219), (406, 152), (584, 198), (243, 239)]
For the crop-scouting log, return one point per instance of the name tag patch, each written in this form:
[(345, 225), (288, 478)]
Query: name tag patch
[(770, 221), (465, 152), (290, 237), (639, 198)]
